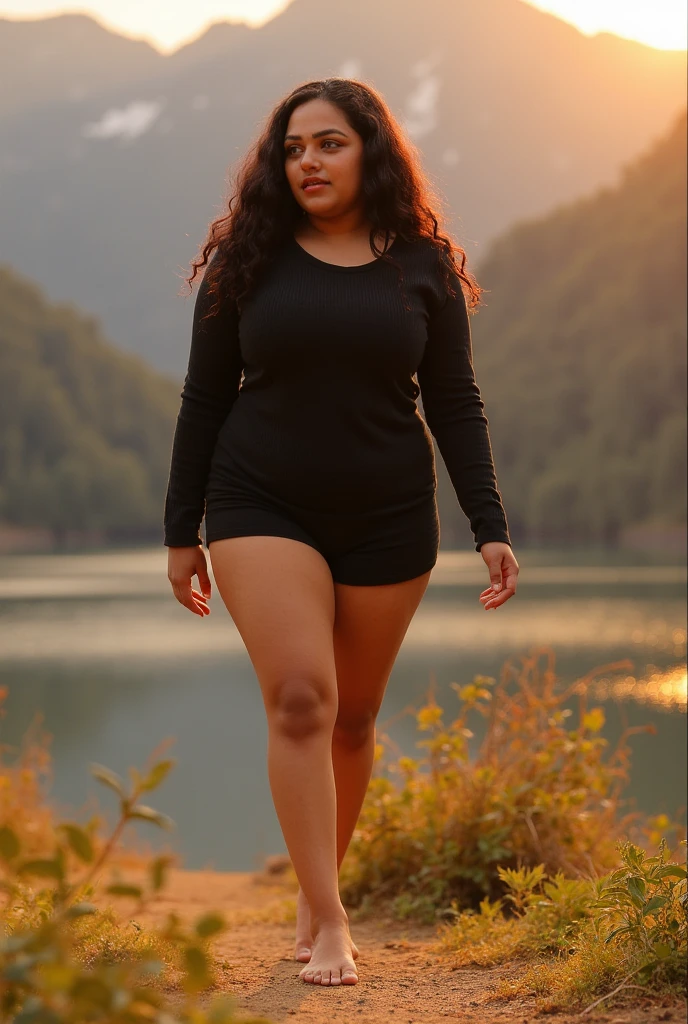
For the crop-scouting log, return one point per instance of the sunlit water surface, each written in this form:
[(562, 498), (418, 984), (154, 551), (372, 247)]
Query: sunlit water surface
[(98, 644)]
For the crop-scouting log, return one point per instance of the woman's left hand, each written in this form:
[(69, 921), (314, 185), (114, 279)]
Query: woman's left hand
[(501, 562)]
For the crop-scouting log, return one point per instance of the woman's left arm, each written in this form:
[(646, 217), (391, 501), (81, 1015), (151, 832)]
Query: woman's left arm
[(454, 412)]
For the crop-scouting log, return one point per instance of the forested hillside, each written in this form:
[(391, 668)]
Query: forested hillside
[(85, 430), (114, 158), (581, 353)]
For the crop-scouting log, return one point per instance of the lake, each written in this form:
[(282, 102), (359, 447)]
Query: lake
[(98, 644)]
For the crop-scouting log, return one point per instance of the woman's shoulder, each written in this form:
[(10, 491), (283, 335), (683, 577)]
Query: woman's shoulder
[(430, 266), (425, 251)]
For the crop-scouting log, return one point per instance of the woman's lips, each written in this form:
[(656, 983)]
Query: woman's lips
[(316, 185)]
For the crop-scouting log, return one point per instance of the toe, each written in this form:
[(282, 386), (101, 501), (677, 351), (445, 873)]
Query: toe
[(317, 978), (349, 976), (326, 977), (336, 977)]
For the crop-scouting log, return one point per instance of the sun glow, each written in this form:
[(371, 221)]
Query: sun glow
[(667, 689), (658, 23), (168, 24)]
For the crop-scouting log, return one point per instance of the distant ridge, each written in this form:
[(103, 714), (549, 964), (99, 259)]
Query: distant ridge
[(71, 56), (581, 351), (114, 158), (85, 429)]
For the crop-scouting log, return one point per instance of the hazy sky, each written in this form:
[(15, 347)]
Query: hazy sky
[(168, 23)]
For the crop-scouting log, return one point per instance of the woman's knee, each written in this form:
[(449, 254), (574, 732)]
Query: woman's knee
[(300, 707), (354, 727)]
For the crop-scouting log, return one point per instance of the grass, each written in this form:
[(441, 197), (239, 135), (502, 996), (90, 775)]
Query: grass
[(582, 938), (523, 850)]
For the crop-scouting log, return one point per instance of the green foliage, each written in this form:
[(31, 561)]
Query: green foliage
[(51, 969), (644, 905), (85, 430), (583, 936), (545, 918), (580, 350), (440, 830)]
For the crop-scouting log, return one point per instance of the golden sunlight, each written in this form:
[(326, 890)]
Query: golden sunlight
[(667, 689), (658, 23), (168, 24)]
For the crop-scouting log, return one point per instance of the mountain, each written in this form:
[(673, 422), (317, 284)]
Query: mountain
[(580, 351), (107, 194), (70, 56), (85, 430)]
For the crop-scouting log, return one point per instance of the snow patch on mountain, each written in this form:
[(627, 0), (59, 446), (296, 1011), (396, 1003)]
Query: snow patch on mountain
[(128, 122), (421, 105)]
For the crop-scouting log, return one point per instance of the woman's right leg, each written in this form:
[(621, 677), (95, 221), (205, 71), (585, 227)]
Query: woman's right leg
[(280, 594)]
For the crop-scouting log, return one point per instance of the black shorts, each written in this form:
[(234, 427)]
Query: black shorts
[(388, 545)]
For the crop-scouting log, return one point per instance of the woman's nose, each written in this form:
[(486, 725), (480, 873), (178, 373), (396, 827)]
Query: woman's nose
[(309, 162)]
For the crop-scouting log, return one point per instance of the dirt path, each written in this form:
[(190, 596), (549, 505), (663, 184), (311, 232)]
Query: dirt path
[(400, 979)]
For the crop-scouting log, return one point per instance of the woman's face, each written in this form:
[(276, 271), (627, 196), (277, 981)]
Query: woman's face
[(320, 143)]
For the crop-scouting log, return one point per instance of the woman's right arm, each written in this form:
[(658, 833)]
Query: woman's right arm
[(210, 389)]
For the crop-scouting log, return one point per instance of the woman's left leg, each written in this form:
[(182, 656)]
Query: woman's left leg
[(370, 625)]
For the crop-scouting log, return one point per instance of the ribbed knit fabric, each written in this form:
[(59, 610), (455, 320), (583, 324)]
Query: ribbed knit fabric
[(310, 395)]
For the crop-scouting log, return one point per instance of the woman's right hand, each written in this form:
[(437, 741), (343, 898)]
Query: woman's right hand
[(182, 564)]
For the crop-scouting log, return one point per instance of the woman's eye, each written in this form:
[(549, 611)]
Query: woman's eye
[(290, 149)]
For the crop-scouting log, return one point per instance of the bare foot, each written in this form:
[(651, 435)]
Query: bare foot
[(304, 940), (331, 960)]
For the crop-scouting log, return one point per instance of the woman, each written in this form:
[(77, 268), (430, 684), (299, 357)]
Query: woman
[(299, 438)]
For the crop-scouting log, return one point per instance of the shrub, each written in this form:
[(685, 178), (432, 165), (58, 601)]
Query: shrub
[(628, 929), (540, 792), (62, 960)]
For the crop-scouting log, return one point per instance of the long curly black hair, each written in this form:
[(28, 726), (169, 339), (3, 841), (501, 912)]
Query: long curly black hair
[(263, 212)]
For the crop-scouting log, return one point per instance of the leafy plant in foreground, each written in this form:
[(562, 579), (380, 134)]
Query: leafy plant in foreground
[(628, 929), (48, 898), (644, 907)]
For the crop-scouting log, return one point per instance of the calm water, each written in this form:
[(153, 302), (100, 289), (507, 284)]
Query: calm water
[(97, 643)]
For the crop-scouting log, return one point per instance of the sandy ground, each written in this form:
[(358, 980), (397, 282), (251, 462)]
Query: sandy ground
[(401, 980)]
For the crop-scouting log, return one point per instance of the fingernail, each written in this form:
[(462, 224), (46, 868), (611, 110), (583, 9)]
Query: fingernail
[(496, 586)]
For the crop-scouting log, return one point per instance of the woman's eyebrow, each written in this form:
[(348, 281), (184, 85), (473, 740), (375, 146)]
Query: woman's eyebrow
[(317, 135)]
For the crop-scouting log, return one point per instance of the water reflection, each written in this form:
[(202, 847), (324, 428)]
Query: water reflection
[(98, 644), (666, 689), (118, 605)]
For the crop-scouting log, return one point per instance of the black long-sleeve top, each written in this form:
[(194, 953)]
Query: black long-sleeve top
[(310, 394)]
